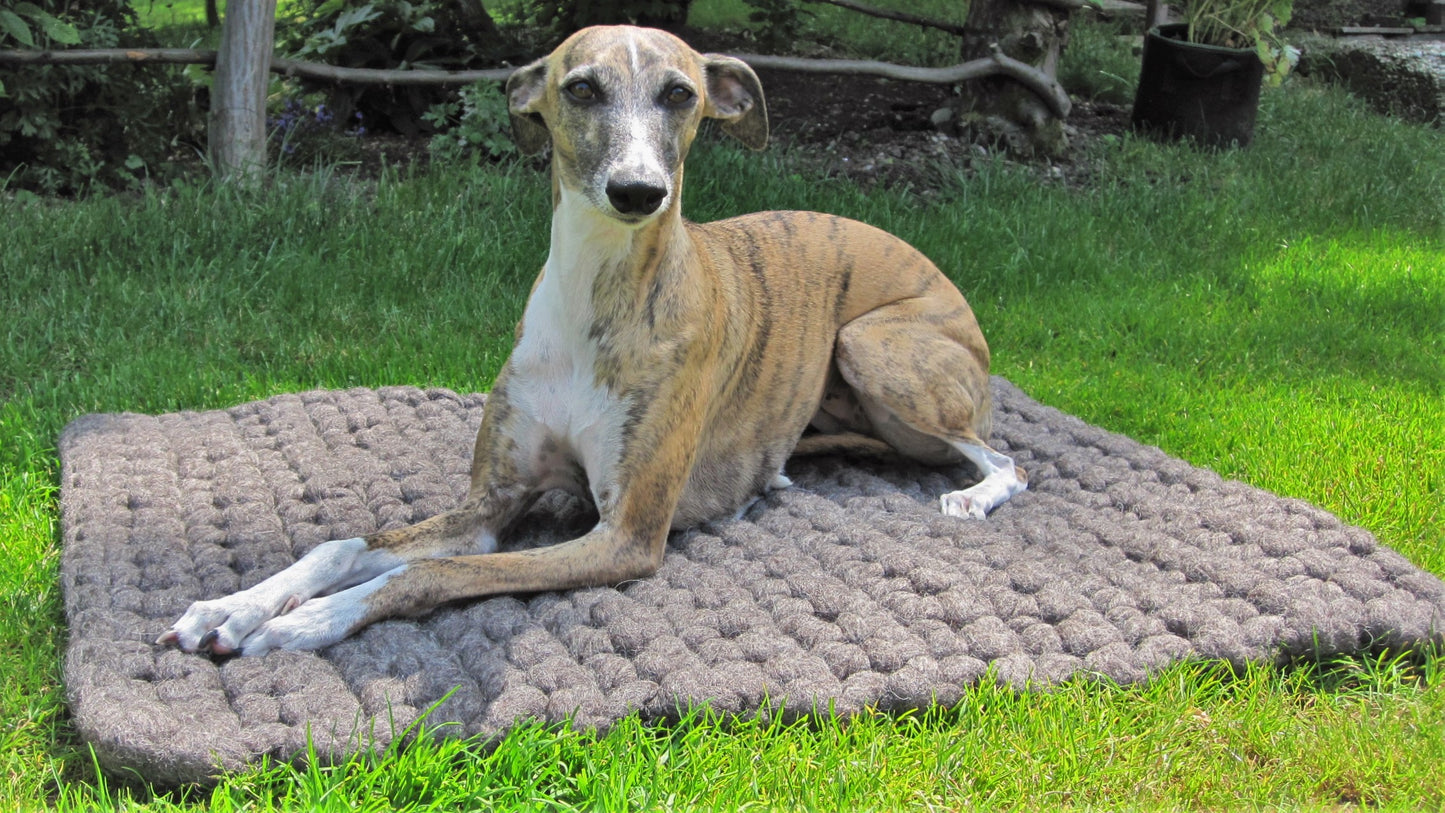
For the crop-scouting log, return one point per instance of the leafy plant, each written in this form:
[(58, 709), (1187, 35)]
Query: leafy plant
[(1245, 24), (436, 34), (13, 27), (471, 127), (780, 22), (67, 128)]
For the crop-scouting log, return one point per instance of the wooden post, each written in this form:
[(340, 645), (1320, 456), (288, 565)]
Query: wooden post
[(238, 99)]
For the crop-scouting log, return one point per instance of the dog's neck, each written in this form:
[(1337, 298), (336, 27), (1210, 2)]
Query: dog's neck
[(595, 256)]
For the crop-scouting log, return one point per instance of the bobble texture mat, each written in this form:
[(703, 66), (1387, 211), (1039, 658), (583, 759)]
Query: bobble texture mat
[(849, 589)]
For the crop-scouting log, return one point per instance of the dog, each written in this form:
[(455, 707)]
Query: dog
[(664, 369)]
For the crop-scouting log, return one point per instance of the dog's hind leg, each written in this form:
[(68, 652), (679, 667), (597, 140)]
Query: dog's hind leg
[(919, 369), (1001, 480)]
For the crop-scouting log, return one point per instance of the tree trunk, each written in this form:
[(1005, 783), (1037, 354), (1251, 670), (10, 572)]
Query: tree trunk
[(238, 100), (1033, 32), (478, 21)]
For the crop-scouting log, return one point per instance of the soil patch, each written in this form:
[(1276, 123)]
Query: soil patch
[(877, 131)]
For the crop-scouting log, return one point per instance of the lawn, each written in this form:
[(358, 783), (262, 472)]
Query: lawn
[(1276, 314)]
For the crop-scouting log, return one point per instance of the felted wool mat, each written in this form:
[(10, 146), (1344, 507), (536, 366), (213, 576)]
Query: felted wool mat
[(847, 590)]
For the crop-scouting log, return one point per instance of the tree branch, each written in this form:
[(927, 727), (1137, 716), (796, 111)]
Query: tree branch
[(285, 67), (377, 76), (942, 25), (1045, 86), (900, 16), (109, 56)]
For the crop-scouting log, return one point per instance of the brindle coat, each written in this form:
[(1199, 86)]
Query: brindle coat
[(665, 369)]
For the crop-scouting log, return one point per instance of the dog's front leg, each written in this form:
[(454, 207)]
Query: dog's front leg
[(220, 625), (636, 501), (228, 624), (334, 574), (318, 596)]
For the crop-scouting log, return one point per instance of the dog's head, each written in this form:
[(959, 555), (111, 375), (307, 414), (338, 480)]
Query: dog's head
[(620, 106)]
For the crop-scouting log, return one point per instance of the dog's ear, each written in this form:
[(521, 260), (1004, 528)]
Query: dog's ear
[(735, 96), (526, 88)]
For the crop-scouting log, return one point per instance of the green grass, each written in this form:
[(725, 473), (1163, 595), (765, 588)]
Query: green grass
[(1097, 65), (1199, 735), (1277, 314)]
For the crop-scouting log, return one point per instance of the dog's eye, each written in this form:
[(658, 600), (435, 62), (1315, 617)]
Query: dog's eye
[(581, 90), (677, 96)]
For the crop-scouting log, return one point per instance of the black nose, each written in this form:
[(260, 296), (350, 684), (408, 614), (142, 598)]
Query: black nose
[(635, 197)]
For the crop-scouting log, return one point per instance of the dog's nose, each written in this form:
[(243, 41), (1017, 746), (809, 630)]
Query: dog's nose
[(635, 197)]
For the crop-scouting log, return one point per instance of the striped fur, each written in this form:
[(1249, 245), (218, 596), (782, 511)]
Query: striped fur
[(665, 369)]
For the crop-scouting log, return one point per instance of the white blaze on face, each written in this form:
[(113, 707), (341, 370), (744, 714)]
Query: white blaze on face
[(640, 160), (636, 143), (632, 52)]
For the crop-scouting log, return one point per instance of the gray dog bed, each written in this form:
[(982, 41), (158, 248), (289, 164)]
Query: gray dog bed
[(847, 590)]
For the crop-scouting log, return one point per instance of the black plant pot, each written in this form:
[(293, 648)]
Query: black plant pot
[(1204, 92)]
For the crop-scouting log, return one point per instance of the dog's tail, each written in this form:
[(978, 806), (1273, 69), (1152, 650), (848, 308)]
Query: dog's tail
[(844, 443)]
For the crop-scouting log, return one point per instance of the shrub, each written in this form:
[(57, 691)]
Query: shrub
[(21, 23), (436, 34), (474, 127), (67, 128), (779, 22), (567, 16)]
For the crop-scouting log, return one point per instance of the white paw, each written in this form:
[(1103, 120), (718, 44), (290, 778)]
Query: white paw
[(317, 623), (220, 625), (779, 481), (1000, 481), (962, 504)]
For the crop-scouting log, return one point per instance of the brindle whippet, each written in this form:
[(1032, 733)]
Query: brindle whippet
[(663, 368)]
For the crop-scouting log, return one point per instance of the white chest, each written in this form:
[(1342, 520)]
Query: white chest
[(554, 374), (554, 368)]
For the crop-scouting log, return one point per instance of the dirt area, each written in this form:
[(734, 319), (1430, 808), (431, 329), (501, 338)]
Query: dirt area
[(876, 131), (1324, 15)]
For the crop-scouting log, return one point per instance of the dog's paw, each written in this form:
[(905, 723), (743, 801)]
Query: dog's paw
[(319, 622), (315, 624), (220, 625), (976, 501), (962, 504)]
